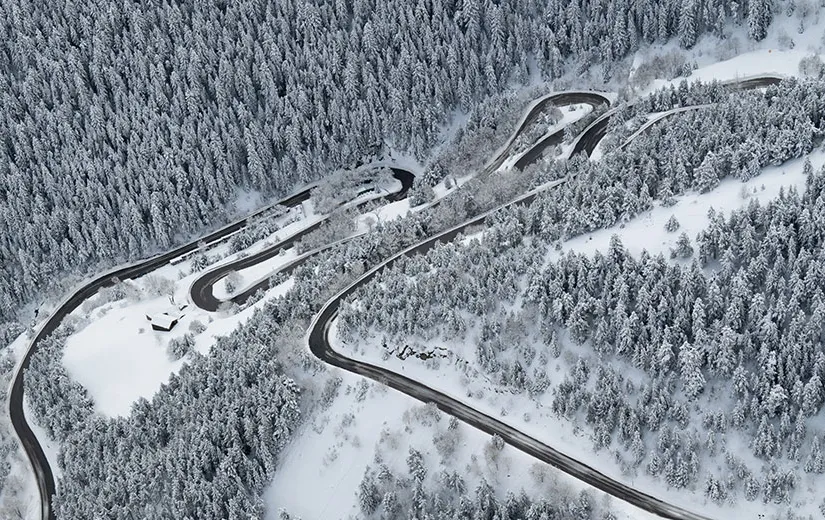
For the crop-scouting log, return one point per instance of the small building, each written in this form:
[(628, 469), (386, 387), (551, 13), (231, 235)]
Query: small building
[(165, 321)]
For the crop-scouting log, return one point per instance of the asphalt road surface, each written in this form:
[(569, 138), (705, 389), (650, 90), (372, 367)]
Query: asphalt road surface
[(592, 135)]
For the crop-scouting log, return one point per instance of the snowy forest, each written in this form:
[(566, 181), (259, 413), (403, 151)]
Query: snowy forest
[(734, 314), (129, 131), (389, 496), (128, 127), (454, 290)]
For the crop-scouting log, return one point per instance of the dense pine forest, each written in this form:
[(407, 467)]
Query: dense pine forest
[(126, 127), (736, 313)]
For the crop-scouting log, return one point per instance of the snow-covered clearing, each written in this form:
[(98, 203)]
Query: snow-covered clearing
[(738, 57), (321, 469), (647, 231), (247, 201), (117, 356)]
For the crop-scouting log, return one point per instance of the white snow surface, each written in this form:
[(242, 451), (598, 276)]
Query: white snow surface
[(737, 57), (247, 201), (647, 231), (117, 356), (321, 469)]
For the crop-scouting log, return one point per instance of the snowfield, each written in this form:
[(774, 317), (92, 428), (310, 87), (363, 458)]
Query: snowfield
[(117, 356), (647, 231), (321, 470)]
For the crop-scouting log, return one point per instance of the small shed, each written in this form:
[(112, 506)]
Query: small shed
[(164, 321)]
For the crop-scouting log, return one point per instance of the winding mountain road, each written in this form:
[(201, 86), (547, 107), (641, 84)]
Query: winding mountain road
[(202, 294), (592, 135), (318, 334), (556, 99), (319, 344), (593, 99)]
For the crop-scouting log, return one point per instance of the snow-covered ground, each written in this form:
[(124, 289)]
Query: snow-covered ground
[(247, 201), (738, 57), (647, 231), (750, 64), (117, 356), (253, 274), (322, 468), (119, 367)]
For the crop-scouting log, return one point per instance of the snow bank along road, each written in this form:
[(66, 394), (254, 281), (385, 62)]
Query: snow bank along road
[(318, 332)]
